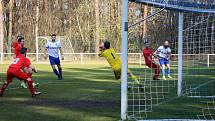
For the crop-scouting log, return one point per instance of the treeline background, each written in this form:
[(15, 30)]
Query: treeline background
[(88, 22)]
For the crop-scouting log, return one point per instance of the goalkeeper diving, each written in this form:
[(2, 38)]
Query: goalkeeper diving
[(114, 60)]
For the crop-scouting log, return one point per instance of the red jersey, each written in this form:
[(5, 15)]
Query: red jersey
[(20, 62), (147, 52), (14, 44), (17, 48)]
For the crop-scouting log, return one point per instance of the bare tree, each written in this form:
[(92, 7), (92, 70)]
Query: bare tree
[(1, 27), (97, 25), (10, 31)]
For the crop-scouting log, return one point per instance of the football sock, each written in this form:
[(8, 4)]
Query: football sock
[(56, 72), (60, 71), (30, 86), (168, 71), (163, 71)]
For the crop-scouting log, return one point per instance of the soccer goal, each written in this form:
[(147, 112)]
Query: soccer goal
[(66, 43), (189, 26)]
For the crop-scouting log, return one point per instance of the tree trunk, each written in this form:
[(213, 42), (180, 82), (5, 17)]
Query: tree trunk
[(145, 14), (97, 26), (1, 27), (115, 23), (10, 31)]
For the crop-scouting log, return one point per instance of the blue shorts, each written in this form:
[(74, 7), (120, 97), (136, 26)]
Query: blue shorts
[(54, 61), (163, 61)]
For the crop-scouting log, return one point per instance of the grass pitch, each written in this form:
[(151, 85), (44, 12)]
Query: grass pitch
[(89, 92)]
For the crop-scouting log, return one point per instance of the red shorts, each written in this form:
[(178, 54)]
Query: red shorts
[(12, 73)]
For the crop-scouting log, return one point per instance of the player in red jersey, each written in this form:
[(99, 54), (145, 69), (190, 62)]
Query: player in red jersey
[(16, 46), (149, 61), (20, 44), (18, 69)]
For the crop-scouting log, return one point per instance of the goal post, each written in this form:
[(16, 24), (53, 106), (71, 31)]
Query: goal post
[(190, 31), (180, 51), (66, 44), (124, 98)]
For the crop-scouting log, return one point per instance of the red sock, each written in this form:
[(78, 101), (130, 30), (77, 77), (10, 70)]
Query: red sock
[(30, 86)]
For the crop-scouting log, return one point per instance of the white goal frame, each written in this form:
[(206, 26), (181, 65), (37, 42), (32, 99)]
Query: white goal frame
[(47, 38), (124, 81)]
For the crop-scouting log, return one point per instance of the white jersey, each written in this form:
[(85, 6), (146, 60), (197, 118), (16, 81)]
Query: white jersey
[(164, 52), (53, 48)]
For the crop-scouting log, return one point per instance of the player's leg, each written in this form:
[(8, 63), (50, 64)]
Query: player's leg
[(56, 72), (35, 85), (52, 62), (57, 62), (60, 71), (168, 70), (23, 85), (27, 78), (153, 66), (132, 76), (156, 68), (162, 63), (31, 87), (135, 79), (7, 82), (117, 74)]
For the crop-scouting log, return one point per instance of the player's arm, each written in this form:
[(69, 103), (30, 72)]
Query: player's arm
[(169, 55), (30, 70), (12, 49), (45, 53), (101, 50), (61, 52), (155, 54), (33, 68), (101, 53)]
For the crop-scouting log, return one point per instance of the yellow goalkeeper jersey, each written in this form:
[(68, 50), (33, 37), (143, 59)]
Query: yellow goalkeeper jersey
[(112, 58)]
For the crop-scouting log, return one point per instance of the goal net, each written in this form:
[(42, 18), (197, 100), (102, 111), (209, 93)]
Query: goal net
[(66, 44), (190, 93)]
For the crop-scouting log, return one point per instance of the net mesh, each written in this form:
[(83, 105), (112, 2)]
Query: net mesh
[(66, 44), (158, 99)]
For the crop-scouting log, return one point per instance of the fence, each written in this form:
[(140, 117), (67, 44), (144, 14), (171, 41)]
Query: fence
[(85, 58)]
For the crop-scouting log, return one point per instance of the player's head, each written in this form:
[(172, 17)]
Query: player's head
[(166, 44), (53, 36), (146, 44), (23, 51), (21, 40), (106, 44), (19, 36)]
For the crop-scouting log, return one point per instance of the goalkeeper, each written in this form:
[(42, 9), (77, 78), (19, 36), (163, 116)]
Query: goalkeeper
[(113, 59)]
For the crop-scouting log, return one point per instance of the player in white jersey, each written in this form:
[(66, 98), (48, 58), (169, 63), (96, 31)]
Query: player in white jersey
[(164, 53), (52, 48)]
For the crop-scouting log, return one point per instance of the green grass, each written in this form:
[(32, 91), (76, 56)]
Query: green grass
[(159, 98), (89, 93)]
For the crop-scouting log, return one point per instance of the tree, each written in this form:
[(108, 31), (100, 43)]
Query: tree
[(1, 27), (10, 31), (97, 39)]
